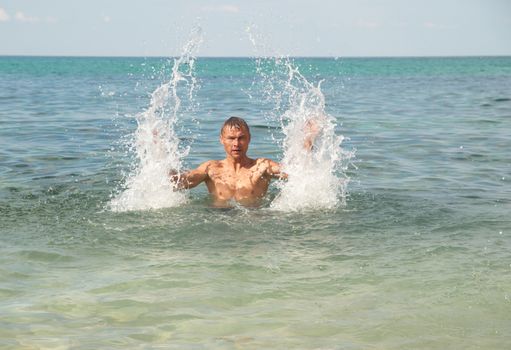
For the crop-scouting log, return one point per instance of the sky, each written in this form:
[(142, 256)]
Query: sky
[(337, 28)]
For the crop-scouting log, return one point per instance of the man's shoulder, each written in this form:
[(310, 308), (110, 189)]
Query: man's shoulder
[(265, 164), (269, 167), (265, 161), (211, 164)]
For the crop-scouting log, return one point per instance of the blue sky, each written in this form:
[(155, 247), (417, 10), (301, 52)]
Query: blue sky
[(297, 28)]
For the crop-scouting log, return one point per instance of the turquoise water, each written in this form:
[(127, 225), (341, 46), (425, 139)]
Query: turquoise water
[(419, 257)]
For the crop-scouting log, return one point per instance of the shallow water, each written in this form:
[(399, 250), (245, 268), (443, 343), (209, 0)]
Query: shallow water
[(419, 257)]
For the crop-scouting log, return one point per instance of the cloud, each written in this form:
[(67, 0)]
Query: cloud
[(432, 25), (368, 24), (106, 18), (221, 8), (21, 17), (4, 16)]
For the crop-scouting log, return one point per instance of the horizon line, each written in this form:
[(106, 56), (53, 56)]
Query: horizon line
[(256, 57)]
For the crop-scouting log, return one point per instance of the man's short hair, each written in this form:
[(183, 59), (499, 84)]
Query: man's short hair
[(235, 122)]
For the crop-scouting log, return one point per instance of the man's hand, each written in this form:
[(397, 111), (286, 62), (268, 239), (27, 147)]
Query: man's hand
[(311, 131), (174, 176)]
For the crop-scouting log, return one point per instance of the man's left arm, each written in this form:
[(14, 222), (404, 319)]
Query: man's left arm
[(274, 170), (311, 130)]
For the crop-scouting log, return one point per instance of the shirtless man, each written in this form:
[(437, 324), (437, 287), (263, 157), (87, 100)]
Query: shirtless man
[(237, 177)]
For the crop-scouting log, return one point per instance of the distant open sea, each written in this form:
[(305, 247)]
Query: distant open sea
[(419, 256)]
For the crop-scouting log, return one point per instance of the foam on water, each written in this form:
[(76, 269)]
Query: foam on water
[(317, 178), (155, 141)]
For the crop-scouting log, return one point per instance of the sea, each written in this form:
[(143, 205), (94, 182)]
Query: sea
[(394, 232)]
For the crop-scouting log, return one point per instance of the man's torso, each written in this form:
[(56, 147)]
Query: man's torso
[(247, 185)]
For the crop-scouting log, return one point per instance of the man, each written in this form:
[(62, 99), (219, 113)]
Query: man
[(237, 177)]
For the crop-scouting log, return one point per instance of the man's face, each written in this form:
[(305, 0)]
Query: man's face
[(235, 142)]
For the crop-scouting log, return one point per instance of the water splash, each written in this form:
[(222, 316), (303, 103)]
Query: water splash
[(316, 177), (155, 142)]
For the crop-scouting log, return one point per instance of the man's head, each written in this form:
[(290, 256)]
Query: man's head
[(235, 122), (235, 137)]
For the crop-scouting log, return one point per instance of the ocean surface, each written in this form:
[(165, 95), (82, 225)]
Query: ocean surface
[(416, 253)]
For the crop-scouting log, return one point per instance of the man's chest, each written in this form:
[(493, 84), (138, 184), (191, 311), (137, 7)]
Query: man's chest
[(236, 181)]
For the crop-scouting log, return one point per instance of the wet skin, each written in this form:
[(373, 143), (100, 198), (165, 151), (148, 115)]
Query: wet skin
[(237, 177)]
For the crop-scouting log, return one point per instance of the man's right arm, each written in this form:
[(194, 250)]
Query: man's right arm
[(191, 178)]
